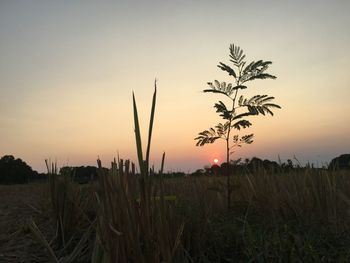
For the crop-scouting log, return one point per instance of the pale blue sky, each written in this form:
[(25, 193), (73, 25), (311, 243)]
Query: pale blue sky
[(67, 70)]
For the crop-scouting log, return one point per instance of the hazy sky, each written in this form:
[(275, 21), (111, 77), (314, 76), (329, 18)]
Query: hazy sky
[(68, 69)]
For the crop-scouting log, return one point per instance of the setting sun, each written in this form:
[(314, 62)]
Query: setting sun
[(216, 160)]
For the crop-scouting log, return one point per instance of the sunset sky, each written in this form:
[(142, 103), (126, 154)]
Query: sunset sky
[(68, 69)]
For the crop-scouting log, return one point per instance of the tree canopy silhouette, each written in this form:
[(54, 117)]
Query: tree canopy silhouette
[(340, 162), (14, 171)]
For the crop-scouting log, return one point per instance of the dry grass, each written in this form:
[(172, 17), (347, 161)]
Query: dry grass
[(292, 217), (133, 224)]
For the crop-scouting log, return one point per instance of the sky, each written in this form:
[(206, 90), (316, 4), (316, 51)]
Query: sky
[(68, 70)]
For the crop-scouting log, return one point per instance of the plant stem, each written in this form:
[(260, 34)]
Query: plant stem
[(228, 170), (228, 146)]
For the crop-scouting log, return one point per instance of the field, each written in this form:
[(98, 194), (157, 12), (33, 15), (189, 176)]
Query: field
[(295, 216), (20, 204)]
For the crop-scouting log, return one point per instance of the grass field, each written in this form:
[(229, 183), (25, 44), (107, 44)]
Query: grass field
[(299, 216)]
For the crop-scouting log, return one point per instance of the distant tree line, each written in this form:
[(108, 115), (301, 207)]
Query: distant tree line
[(16, 171), (255, 164)]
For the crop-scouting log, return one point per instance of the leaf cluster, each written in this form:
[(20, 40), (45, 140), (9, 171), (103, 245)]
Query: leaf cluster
[(207, 136), (256, 70), (238, 141), (212, 134), (223, 88), (220, 131), (243, 73), (258, 104), (223, 111)]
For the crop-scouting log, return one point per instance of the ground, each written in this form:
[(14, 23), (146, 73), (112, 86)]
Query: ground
[(19, 204)]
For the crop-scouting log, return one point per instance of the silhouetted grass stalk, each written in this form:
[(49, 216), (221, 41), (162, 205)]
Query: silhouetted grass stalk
[(134, 223)]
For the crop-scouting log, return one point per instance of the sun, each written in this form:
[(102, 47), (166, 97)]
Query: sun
[(216, 160)]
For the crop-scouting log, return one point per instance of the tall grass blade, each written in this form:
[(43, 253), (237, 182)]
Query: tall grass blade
[(36, 231), (138, 138), (150, 129), (162, 165)]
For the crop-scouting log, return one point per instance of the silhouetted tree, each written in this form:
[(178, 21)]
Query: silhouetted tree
[(235, 114), (81, 174), (257, 165), (271, 166), (340, 162), (215, 170), (198, 172), (15, 171)]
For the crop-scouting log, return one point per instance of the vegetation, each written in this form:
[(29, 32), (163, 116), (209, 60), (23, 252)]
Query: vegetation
[(134, 222), (298, 215), (15, 171), (234, 115), (340, 162), (81, 174)]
